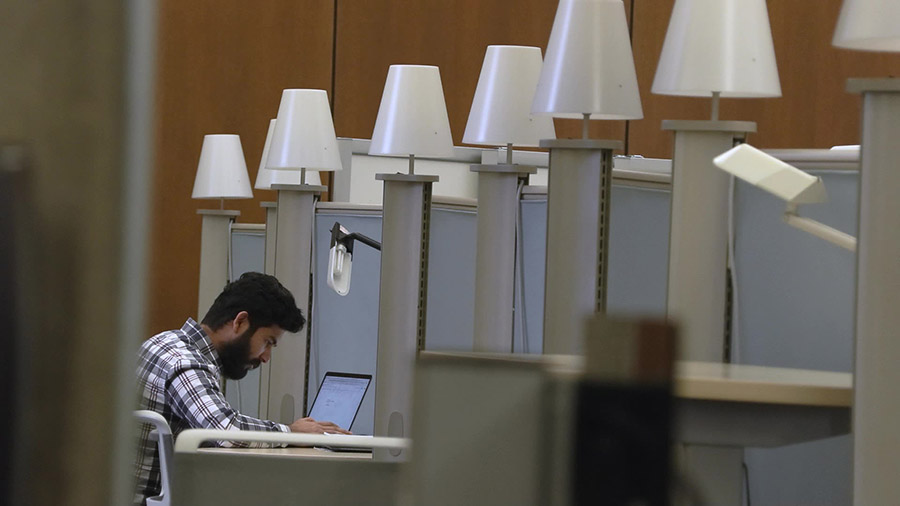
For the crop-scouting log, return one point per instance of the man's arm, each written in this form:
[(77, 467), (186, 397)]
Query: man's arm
[(194, 396)]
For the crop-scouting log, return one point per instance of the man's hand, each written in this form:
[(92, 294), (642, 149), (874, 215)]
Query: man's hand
[(310, 426)]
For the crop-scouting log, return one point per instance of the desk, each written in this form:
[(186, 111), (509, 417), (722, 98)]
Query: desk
[(300, 474), (753, 406), (723, 408), (719, 409)]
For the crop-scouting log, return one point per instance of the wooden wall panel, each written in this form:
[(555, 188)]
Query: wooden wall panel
[(453, 35), (222, 66), (814, 110)]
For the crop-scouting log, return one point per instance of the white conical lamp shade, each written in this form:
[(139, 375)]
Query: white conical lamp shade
[(718, 45), (412, 118), (265, 178), (222, 171), (304, 133), (589, 67), (869, 25), (501, 109)]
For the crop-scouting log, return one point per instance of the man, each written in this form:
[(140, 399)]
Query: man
[(179, 371)]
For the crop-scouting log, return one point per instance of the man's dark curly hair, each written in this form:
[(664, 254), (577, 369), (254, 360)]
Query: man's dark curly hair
[(266, 301)]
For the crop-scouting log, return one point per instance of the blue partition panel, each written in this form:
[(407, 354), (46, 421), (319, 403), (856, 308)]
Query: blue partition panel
[(638, 259), (796, 308), (345, 329)]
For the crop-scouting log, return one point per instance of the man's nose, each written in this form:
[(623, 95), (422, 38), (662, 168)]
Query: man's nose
[(266, 355)]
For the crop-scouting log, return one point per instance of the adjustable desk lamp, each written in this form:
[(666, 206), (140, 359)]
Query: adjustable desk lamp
[(588, 72), (712, 48), (303, 140), (873, 26), (412, 121), (787, 183), (221, 174), (501, 116)]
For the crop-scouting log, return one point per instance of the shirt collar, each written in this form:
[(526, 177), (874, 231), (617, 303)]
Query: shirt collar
[(195, 333)]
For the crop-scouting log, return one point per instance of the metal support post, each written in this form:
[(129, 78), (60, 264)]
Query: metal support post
[(293, 250), (214, 238), (876, 408), (698, 276), (577, 239), (698, 236), (495, 255), (401, 308)]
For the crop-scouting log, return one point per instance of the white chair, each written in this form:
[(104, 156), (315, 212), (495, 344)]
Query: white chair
[(162, 434)]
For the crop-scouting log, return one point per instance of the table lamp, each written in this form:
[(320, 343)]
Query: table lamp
[(704, 55), (501, 116), (871, 25), (221, 174), (588, 72), (412, 121), (265, 178), (302, 140), (713, 48)]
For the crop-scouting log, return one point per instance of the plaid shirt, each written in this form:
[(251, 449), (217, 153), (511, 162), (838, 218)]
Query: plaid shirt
[(178, 377)]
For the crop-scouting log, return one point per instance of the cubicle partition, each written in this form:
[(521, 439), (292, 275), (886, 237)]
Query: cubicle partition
[(795, 308), (793, 296)]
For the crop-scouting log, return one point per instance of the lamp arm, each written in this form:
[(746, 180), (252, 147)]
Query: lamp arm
[(368, 241), (339, 235), (818, 229)]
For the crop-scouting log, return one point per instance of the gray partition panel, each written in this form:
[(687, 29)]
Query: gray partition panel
[(451, 281), (248, 251), (639, 248), (796, 309), (345, 329)]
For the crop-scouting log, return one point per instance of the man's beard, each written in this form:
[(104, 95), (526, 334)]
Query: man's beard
[(235, 356)]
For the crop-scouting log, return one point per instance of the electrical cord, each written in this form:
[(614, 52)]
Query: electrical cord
[(313, 342), (519, 298), (732, 270)]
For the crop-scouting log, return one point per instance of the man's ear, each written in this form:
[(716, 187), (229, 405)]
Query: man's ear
[(241, 322)]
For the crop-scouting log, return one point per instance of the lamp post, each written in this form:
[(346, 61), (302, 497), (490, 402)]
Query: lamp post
[(872, 26), (303, 140), (501, 116), (412, 121), (588, 73), (221, 174), (705, 55)]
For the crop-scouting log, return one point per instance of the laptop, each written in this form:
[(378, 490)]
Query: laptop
[(339, 398)]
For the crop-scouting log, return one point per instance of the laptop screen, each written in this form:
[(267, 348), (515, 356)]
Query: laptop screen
[(339, 398)]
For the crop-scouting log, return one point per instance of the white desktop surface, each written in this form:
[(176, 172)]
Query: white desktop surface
[(763, 407), (292, 452), (751, 383)]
